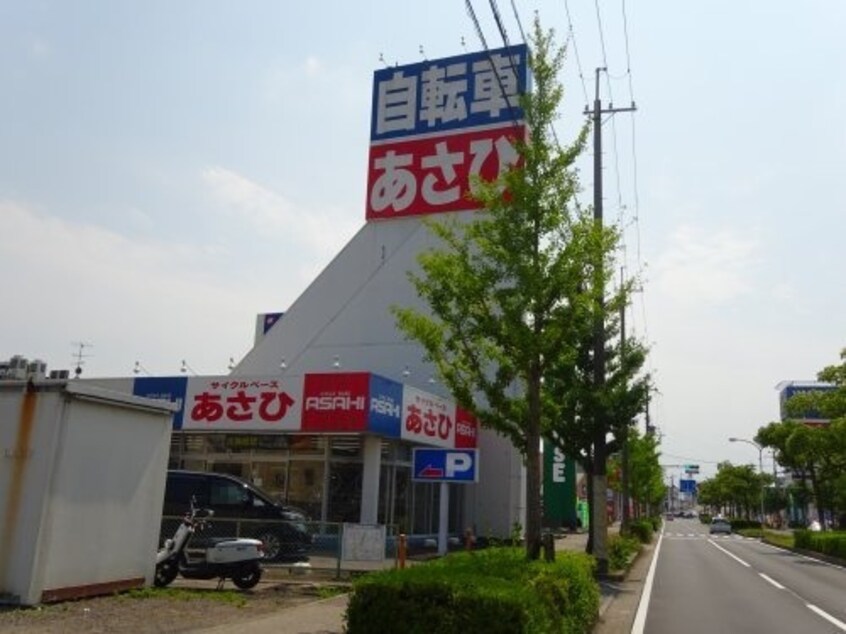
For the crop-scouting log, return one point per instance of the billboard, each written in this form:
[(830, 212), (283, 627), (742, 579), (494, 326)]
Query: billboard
[(436, 124), (335, 401), (559, 487), (794, 388), (243, 403), (427, 418), (385, 416), (168, 388)]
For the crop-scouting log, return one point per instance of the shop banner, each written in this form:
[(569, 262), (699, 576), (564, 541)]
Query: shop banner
[(427, 419), (168, 388), (466, 429), (559, 488), (335, 402), (243, 403), (385, 415)]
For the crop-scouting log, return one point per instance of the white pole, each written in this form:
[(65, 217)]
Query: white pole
[(443, 519)]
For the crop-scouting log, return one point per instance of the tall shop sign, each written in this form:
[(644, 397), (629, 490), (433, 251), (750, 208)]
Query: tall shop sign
[(437, 124)]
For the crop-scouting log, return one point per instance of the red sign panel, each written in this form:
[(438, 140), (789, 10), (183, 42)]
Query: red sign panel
[(466, 429), (431, 175), (335, 402)]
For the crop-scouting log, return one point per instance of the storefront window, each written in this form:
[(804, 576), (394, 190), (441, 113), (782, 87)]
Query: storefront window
[(346, 447), (307, 445), (344, 492), (271, 477), (305, 486)]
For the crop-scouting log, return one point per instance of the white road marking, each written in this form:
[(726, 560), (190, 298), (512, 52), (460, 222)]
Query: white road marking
[(771, 580), (839, 624), (732, 555), (643, 606)]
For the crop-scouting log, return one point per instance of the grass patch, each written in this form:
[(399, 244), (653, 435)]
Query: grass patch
[(785, 540), (327, 592), (757, 533), (231, 597)]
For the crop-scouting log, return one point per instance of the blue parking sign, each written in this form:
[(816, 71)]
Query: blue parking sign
[(445, 465)]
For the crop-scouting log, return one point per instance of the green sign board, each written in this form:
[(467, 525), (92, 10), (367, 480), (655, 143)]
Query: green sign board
[(559, 488)]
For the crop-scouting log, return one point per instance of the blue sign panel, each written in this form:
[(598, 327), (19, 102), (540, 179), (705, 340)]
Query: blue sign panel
[(479, 89), (687, 486), (170, 388), (445, 465), (385, 407)]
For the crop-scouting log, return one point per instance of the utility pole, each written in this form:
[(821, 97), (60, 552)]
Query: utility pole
[(625, 519), (599, 521)]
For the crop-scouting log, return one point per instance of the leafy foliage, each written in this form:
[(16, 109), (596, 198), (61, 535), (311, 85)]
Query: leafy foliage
[(493, 590), (510, 293)]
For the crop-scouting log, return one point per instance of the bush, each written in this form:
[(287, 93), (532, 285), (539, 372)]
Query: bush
[(739, 524), (829, 543), (494, 590), (621, 550), (705, 518), (643, 530)]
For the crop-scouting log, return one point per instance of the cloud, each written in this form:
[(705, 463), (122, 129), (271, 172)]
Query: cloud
[(321, 231), (39, 48), (313, 66), (132, 299), (703, 268)]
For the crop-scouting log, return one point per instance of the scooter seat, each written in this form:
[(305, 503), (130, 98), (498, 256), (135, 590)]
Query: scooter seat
[(208, 542)]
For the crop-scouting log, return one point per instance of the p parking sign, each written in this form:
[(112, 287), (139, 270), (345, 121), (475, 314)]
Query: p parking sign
[(445, 465)]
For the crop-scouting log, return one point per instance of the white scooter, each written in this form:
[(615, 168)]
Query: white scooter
[(234, 557)]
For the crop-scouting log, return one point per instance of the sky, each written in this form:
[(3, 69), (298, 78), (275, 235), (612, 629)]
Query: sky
[(168, 170)]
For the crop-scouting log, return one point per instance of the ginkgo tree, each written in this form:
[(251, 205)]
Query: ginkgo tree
[(512, 292)]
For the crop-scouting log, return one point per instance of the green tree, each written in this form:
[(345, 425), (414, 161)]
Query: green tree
[(510, 293), (735, 489), (646, 478)]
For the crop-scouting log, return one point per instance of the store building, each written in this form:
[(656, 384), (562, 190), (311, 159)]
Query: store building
[(326, 409)]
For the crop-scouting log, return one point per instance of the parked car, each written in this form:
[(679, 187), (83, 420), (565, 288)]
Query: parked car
[(719, 525), (240, 509)]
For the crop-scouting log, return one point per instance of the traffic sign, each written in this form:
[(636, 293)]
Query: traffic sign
[(445, 465)]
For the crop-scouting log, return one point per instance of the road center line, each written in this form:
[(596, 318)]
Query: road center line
[(732, 555), (772, 581), (840, 624)]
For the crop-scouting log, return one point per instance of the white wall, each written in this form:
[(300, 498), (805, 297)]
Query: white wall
[(83, 507)]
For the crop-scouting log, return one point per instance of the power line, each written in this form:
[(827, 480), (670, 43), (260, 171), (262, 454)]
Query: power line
[(469, 5), (519, 23), (572, 36)]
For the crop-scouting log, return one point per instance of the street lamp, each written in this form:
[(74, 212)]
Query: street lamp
[(760, 468)]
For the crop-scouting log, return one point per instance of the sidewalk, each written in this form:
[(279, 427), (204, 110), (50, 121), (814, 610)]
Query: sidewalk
[(318, 617), (617, 610)]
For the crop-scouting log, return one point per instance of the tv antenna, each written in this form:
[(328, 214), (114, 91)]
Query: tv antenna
[(79, 356)]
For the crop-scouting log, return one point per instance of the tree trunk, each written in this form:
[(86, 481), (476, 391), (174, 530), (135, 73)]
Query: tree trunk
[(533, 470)]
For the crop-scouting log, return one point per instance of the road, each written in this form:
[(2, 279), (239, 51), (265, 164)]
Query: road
[(718, 584)]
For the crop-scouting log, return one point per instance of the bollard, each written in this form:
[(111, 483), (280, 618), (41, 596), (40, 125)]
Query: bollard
[(469, 539), (548, 544), (403, 545)]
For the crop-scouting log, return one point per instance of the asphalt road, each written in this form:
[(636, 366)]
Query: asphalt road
[(719, 584)]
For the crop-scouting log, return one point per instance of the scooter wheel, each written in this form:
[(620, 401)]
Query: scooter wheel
[(166, 572), (247, 577)]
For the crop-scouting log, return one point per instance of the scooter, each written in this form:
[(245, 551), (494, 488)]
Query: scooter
[(237, 558)]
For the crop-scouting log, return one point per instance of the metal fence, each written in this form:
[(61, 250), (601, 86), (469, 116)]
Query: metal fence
[(298, 545)]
